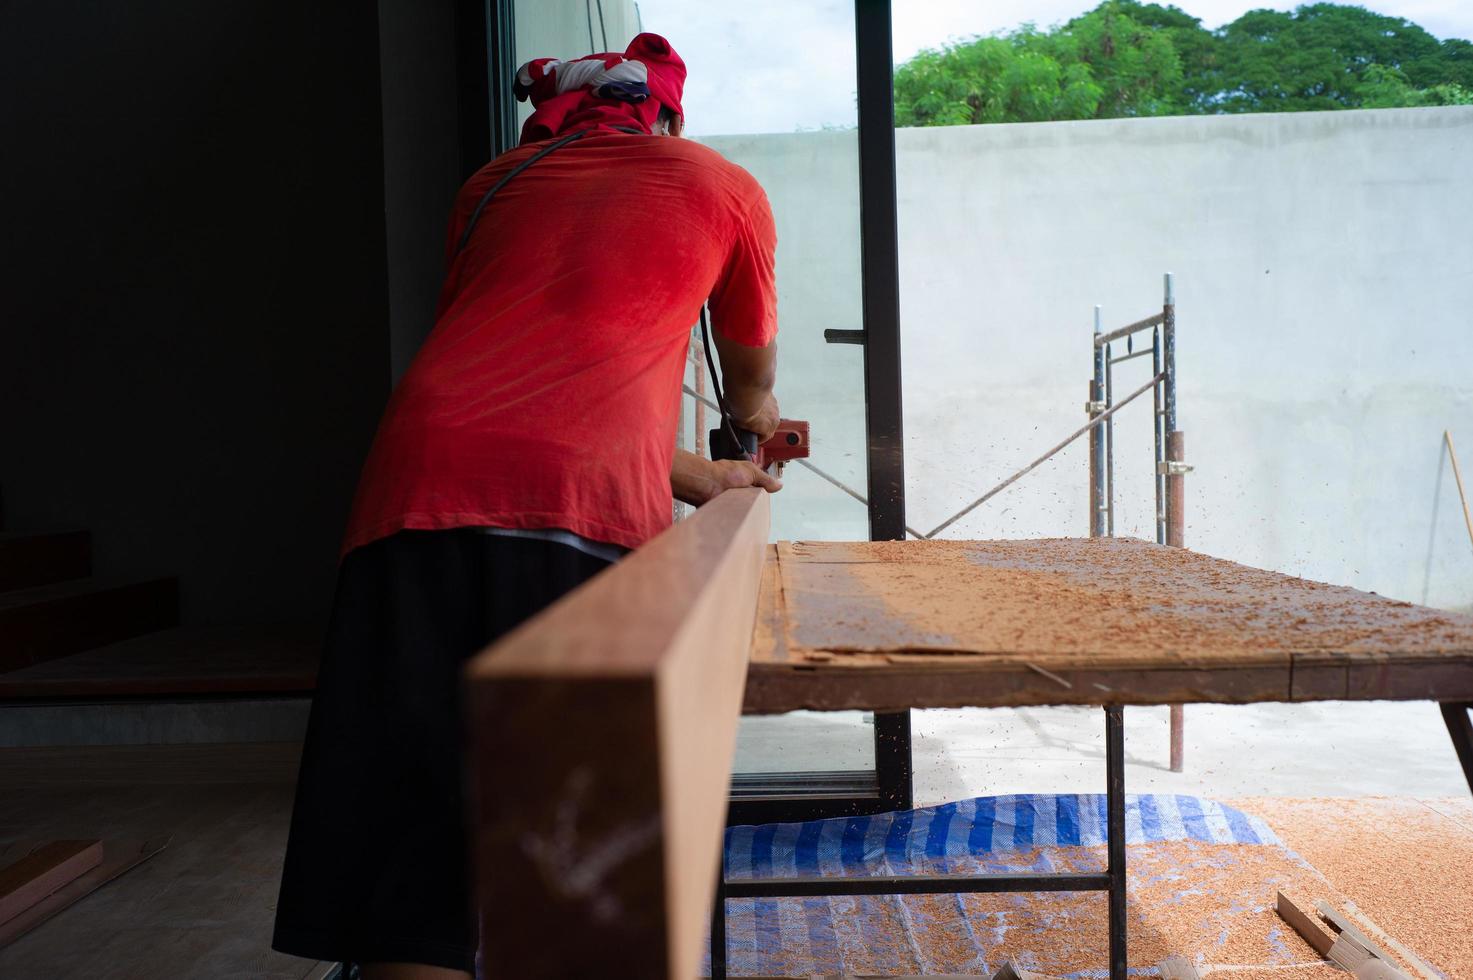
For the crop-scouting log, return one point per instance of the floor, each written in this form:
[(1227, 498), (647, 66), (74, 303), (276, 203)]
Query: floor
[(1354, 749), (200, 908)]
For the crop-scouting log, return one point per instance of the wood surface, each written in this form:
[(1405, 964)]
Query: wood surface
[(922, 624), (602, 734), (25, 881)]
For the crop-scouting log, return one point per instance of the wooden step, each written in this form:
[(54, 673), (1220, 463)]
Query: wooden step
[(273, 660), (29, 560), (51, 621)]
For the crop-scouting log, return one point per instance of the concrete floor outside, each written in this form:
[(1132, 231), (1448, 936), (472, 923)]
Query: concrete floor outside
[(1346, 749)]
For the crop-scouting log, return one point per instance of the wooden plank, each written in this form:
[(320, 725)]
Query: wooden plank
[(773, 688), (602, 734), (887, 625), (192, 660), (56, 620), (43, 871), (1318, 937), (1344, 926)]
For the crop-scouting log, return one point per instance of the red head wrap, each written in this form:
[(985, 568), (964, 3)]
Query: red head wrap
[(602, 91)]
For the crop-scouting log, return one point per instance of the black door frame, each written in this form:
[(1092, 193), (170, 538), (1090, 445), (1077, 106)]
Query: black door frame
[(888, 787)]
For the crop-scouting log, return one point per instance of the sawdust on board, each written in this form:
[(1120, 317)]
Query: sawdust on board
[(1080, 597)]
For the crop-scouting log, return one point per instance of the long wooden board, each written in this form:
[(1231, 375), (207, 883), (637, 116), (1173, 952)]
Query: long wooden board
[(602, 734), (921, 624)]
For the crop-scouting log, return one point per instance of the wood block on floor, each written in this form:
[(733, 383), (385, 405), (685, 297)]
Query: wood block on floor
[(55, 620), (192, 660), (43, 871)]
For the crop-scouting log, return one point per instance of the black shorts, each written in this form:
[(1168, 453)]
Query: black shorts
[(377, 865)]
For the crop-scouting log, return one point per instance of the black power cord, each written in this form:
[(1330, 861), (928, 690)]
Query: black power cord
[(465, 236), (716, 387)]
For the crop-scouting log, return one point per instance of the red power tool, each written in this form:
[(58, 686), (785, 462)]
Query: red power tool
[(789, 442)]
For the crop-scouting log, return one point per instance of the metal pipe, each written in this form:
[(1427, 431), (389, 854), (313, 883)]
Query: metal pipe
[(1129, 329), (718, 927), (1130, 357), (1115, 829), (1109, 447), (701, 403), (914, 885), (1176, 504), (1458, 477), (1160, 445), (1097, 438), (1093, 423)]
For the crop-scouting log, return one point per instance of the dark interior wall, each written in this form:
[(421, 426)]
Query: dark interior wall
[(194, 345), (422, 157)]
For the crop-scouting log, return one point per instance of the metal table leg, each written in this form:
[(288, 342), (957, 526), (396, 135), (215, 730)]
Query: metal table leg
[(718, 926), (1461, 729), (1115, 828), (1112, 881)]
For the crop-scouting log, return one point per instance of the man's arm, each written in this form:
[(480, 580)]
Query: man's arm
[(747, 378), (696, 479)]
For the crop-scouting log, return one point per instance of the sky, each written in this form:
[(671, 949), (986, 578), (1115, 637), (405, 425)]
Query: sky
[(775, 66)]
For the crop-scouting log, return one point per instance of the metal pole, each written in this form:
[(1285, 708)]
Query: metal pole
[(718, 925), (1447, 437), (1096, 406), (700, 380), (1109, 444), (1115, 830), (1460, 728), (1175, 485), (1160, 443)]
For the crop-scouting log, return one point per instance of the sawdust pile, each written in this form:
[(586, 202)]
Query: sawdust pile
[(1406, 864)]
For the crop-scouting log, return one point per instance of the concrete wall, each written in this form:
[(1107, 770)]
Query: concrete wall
[(1324, 263)]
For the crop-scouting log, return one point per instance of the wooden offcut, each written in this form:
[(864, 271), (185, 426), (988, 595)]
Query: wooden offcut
[(602, 734), (44, 871), (1319, 938)]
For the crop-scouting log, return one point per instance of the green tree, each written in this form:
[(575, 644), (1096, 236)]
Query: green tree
[(1126, 58)]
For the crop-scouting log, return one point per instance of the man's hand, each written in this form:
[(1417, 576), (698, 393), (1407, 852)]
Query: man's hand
[(696, 479), (764, 423)]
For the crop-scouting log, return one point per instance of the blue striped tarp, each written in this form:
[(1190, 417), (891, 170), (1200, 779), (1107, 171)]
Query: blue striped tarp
[(802, 937), (890, 842)]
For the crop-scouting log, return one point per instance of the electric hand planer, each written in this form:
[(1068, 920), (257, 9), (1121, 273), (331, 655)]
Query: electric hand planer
[(789, 442)]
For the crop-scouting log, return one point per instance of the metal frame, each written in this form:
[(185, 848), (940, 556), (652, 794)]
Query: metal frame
[(1111, 881), (500, 40), (1169, 440), (1460, 729), (880, 338)]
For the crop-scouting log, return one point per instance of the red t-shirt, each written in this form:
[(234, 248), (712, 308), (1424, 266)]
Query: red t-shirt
[(547, 396)]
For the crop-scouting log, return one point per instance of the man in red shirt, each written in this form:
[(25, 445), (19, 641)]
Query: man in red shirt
[(530, 444)]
